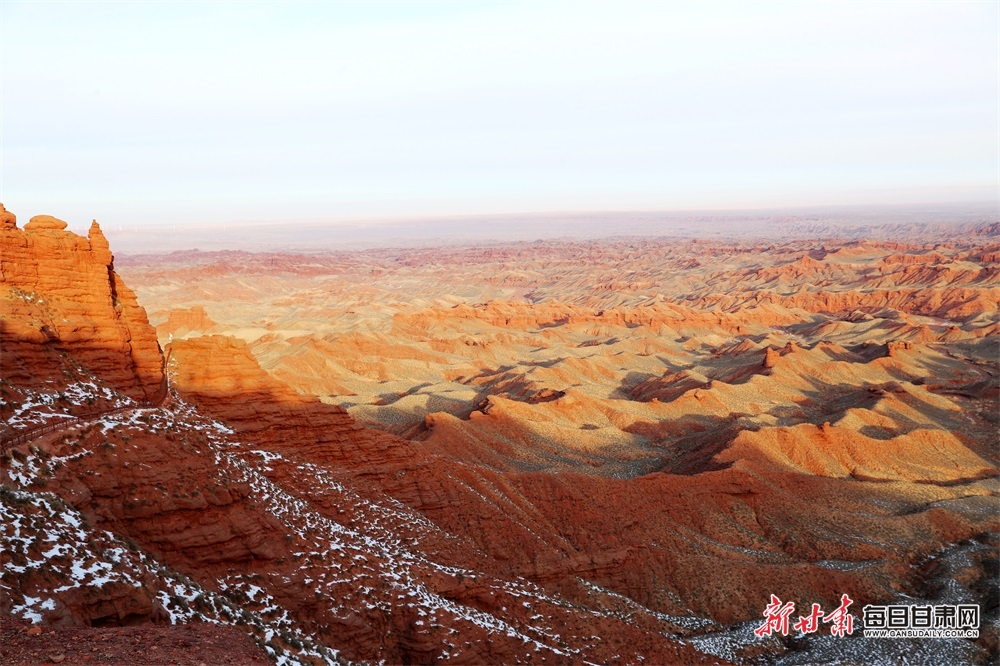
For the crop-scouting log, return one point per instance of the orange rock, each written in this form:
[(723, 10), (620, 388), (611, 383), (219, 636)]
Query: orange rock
[(219, 374), (182, 321), (7, 219), (45, 223), (63, 300)]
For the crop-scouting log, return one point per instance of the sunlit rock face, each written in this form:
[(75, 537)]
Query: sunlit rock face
[(66, 312)]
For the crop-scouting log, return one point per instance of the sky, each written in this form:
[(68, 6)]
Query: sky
[(151, 113)]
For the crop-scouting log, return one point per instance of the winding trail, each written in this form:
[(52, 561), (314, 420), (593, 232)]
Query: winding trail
[(12, 438)]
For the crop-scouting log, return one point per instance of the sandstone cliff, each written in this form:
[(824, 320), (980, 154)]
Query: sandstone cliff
[(65, 311)]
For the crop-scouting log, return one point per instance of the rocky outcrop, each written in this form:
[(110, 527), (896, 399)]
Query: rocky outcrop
[(167, 495), (221, 376), (7, 219), (66, 309), (182, 322)]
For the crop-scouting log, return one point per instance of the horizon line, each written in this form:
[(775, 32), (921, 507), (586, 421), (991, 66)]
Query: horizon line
[(988, 206)]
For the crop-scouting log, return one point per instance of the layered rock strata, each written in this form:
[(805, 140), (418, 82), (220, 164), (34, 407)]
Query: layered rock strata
[(66, 310)]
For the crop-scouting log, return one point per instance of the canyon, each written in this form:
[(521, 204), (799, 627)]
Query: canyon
[(559, 451)]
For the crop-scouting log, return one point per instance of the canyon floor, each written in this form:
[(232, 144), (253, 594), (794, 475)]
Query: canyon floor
[(560, 451)]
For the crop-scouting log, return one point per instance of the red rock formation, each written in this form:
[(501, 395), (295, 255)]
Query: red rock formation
[(64, 305), (222, 377), (947, 302), (7, 219), (182, 321), (522, 316)]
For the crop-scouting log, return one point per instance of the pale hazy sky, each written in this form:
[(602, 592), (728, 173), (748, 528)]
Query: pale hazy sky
[(171, 112)]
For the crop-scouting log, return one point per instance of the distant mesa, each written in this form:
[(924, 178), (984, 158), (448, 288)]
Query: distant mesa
[(183, 322)]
